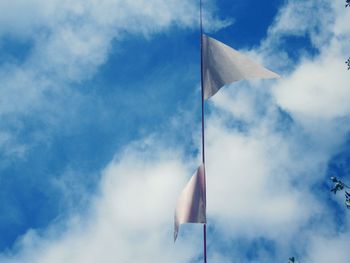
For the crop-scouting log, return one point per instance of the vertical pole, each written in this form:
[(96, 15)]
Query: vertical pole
[(205, 242), (203, 148), (202, 86)]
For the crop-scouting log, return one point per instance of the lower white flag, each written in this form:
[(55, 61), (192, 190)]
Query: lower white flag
[(191, 206)]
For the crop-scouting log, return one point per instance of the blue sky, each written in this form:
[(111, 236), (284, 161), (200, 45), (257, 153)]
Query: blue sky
[(100, 130)]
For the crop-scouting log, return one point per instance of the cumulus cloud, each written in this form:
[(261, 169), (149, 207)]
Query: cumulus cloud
[(329, 248), (317, 87), (129, 220), (263, 163), (252, 194), (293, 19), (69, 41)]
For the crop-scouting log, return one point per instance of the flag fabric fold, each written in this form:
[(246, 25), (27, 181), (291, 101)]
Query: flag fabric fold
[(223, 65), (191, 205)]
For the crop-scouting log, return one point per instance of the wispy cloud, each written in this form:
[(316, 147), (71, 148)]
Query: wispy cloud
[(69, 42), (129, 220)]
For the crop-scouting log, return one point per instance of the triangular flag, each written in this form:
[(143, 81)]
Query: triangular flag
[(223, 65), (191, 205)]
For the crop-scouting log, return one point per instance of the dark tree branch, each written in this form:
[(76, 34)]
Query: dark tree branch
[(292, 259), (339, 186), (347, 199), (347, 3)]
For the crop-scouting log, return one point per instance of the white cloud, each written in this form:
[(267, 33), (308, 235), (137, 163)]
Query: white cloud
[(318, 86), (325, 248), (22, 18), (69, 41), (317, 89), (300, 18), (260, 180), (314, 86), (252, 193), (130, 220)]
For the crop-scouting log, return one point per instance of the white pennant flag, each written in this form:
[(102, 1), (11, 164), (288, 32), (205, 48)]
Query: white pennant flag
[(223, 65), (191, 205)]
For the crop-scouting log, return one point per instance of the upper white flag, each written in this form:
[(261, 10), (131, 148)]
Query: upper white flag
[(191, 205), (223, 65)]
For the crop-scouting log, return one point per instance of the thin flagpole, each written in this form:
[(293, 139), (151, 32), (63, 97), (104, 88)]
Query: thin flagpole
[(202, 88), (203, 147)]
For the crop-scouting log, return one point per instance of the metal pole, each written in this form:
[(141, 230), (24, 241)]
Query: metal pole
[(203, 147)]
